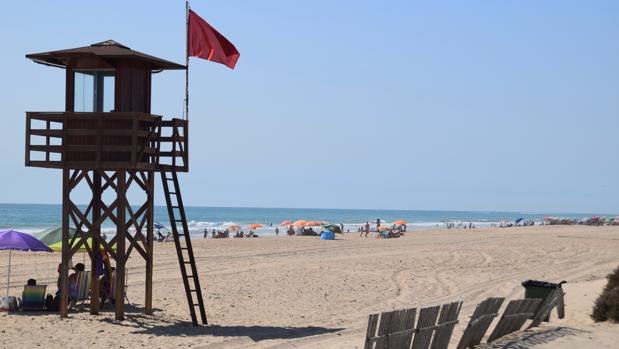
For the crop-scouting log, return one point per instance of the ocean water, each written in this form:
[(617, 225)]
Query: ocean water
[(36, 217)]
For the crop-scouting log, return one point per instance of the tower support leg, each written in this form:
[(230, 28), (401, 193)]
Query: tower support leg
[(66, 253), (121, 232), (96, 258), (150, 196)]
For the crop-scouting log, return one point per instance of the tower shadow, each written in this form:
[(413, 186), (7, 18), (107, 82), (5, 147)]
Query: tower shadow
[(154, 326)]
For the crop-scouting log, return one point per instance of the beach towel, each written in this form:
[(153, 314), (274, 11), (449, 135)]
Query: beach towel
[(33, 297)]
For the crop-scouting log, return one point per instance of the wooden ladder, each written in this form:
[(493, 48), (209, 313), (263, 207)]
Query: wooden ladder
[(194, 295)]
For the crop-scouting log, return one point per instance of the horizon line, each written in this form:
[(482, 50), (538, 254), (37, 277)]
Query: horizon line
[(360, 209)]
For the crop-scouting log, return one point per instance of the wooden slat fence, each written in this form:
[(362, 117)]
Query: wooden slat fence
[(484, 313), (396, 329), (447, 320), (425, 327), (514, 316), (543, 312), (434, 326)]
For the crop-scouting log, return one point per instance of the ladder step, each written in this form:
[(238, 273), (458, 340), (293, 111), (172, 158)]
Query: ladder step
[(184, 258)]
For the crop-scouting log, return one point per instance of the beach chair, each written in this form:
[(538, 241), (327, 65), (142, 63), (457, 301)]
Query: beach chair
[(33, 297), (82, 289), (113, 286)]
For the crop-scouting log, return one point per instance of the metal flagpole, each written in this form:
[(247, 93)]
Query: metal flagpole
[(187, 60), (8, 277)]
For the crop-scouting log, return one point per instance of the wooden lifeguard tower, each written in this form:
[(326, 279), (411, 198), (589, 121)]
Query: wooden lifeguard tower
[(108, 139)]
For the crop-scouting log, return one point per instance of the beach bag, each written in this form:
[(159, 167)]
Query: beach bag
[(49, 302), (8, 303), (52, 303)]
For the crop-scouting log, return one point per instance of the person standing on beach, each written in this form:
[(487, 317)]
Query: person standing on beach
[(276, 231), (367, 229)]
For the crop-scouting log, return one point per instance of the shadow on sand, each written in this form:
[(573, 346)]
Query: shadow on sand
[(154, 326), (532, 338), (83, 308)]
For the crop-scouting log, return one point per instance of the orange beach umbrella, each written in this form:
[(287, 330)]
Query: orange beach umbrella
[(313, 223), (255, 226), (286, 222), (299, 222), (400, 222)]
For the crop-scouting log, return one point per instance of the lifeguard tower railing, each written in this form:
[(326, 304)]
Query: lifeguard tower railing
[(106, 141)]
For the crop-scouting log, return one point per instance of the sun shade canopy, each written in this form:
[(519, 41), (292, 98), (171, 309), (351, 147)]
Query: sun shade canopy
[(102, 55)]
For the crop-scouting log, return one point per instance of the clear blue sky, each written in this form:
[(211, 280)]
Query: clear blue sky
[(463, 105)]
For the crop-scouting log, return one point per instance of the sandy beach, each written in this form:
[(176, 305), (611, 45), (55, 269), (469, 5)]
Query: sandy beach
[(302, 292)]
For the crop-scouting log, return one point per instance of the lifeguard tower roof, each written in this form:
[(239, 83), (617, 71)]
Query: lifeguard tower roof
[(102, 55)]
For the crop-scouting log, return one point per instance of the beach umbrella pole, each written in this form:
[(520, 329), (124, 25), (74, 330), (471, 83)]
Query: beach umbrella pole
[(8, 275)]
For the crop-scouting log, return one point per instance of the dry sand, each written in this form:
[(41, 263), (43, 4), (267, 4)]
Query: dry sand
[(301, 292)]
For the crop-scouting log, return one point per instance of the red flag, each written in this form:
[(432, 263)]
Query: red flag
[(206, 42)]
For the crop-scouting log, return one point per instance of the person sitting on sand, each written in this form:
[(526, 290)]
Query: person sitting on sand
[(58, 282), (79, 267)]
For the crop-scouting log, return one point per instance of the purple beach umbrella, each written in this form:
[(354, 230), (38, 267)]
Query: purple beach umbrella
[(14, 240)]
